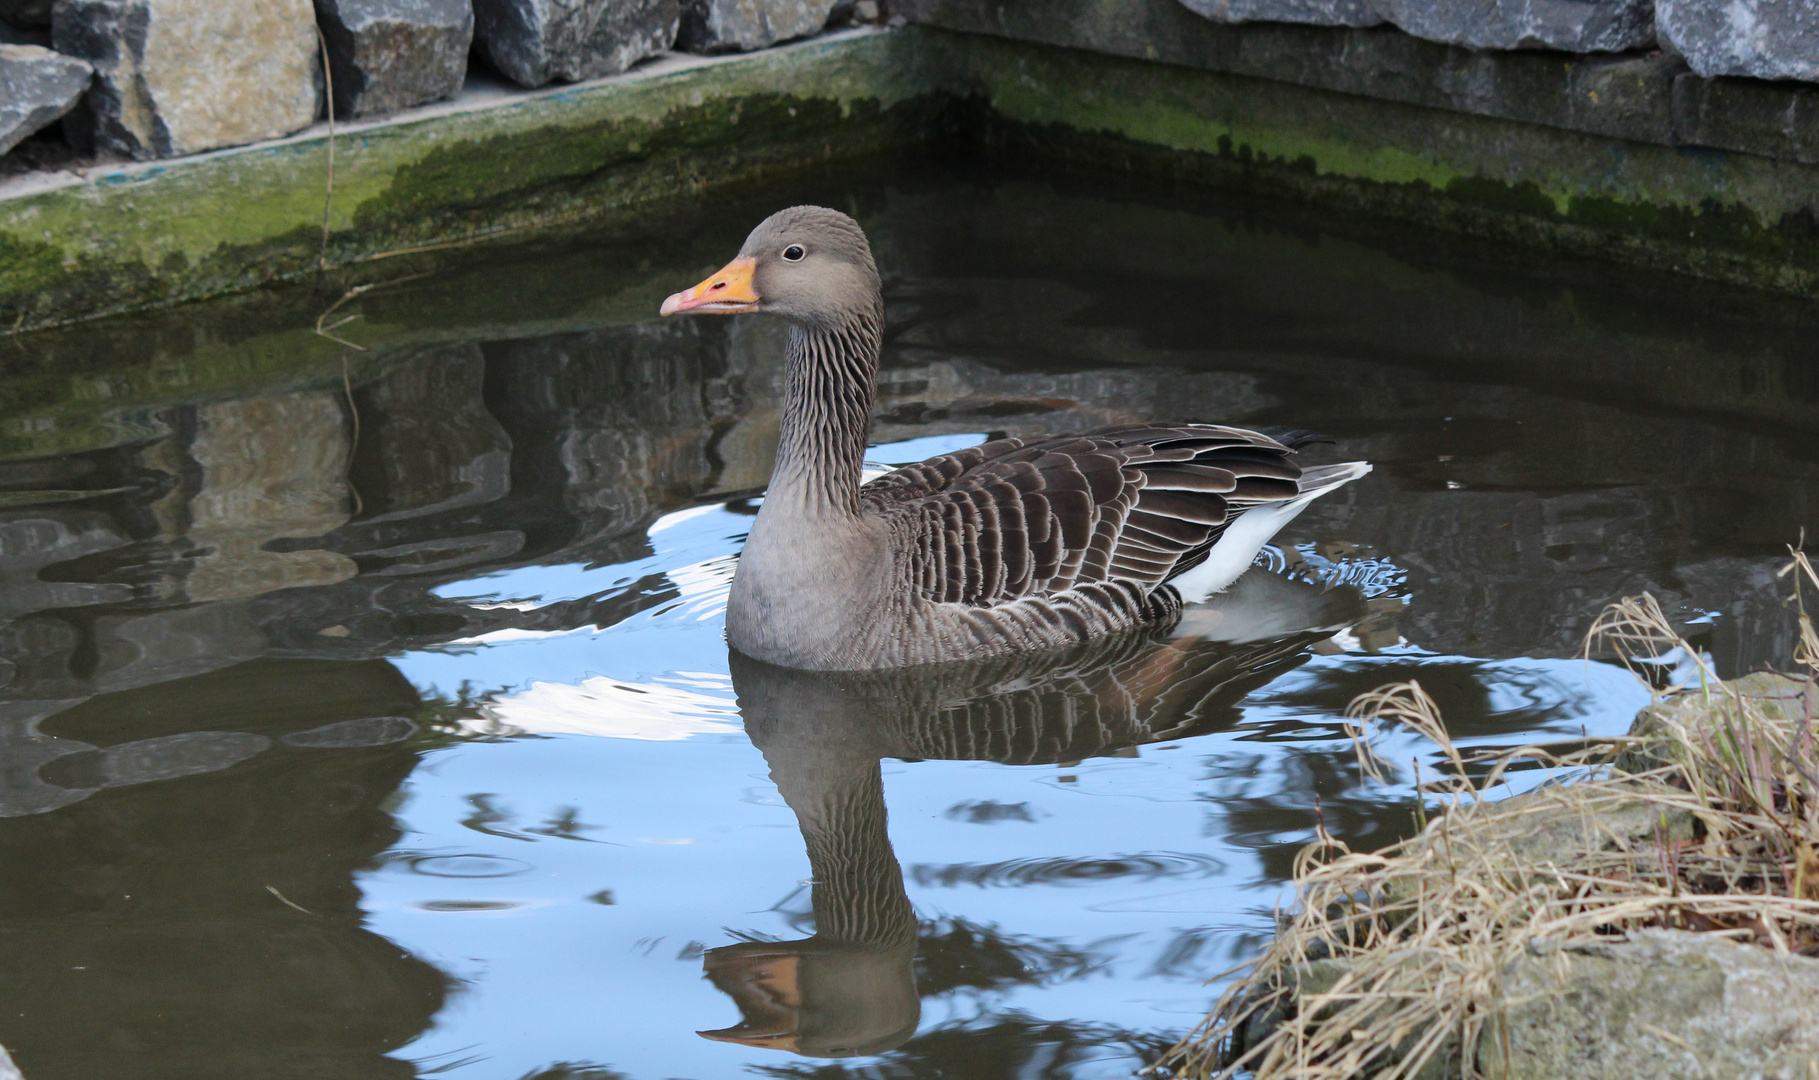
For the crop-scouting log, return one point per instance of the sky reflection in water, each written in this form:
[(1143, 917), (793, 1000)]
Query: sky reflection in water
[(649, 832)]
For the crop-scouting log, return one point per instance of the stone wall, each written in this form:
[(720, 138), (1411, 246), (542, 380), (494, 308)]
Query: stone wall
[(148, 79), (1518, 123), (159, 78)]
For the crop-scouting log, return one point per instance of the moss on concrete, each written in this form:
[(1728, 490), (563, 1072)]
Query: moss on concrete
[(1729, 216), (138, 236)]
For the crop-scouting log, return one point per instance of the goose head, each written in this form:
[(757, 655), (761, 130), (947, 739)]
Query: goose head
[(809, 264)]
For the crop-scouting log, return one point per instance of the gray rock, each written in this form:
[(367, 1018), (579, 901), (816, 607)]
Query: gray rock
[(36, 87), (168, 757), (27, 14), (181, 76), (387, 55), (1778, 699), (1661, 1005), (1763, 39), (710, 26), (1569, 25), (1318, 12), (533, 42), (1666, 1004)]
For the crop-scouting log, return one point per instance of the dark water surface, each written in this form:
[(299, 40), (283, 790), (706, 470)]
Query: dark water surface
[(400, 739)]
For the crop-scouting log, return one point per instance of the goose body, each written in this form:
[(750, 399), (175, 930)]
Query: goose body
[(1012, 546)]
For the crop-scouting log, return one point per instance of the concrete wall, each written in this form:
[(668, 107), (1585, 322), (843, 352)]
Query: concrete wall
[(1627, 156)]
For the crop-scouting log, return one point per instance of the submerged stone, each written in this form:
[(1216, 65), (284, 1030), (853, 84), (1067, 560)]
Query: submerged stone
[(181, 76), (1319, 12), (1762, 39), (1568, 25), (739, 25), (387, 55), (533, 42), (36, 87)]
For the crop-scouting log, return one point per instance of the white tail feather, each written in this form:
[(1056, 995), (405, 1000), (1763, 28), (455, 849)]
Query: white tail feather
[(1238, 546)]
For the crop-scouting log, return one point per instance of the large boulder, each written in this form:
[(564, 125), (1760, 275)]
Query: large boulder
[(1319, 12), (533, 42), (36, 87), (1763, 39), (1600, 1011), (386, 55), (1568, 25), (710, 26), (27, 14), (180, 76)]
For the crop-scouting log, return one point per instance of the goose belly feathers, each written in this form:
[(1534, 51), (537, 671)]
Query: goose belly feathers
[(1013, 546)]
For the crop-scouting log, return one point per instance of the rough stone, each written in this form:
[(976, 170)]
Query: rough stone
[(1666, 1004), (1567, 25), (27, 14), (1763, 39), (181, 76), (710, 26), (1318, 12), (1777, 698), (533, 42), (36, 87), (387, 55), (1774, 119)]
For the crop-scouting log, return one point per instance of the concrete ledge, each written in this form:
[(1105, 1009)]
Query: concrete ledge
[(1592, 160), (1734, 217), (489, 163), (1651, 98)]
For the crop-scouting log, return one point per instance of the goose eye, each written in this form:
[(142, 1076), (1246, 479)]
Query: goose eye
[(793, 253)]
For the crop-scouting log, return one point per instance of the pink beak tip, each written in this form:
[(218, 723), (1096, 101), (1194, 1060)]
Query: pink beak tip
[(672, 304)]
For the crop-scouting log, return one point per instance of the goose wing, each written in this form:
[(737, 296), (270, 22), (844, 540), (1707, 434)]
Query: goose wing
[(1015, 518)]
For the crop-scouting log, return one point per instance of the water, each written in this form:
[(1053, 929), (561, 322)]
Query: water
[(400, 739)]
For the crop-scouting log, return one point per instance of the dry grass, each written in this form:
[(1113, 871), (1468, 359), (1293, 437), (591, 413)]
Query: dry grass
[(1710, 824)]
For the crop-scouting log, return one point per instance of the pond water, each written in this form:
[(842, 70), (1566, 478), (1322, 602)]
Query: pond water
[(385, 728)]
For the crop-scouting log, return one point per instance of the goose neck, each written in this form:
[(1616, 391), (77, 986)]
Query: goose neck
[(827, 412)]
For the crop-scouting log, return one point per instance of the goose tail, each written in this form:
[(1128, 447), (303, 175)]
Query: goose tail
[(1238, 545)]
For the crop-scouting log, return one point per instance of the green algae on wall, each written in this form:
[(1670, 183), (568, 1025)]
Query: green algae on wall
[(1731, 216), (134, 236)]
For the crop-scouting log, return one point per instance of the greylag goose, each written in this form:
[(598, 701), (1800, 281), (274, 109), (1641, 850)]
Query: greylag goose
[(1013, 546)]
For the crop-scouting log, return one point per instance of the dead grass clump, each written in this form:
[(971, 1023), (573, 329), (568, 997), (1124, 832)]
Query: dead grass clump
[(1391, 964)]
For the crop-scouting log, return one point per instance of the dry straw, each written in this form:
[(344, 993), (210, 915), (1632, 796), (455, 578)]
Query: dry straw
[(1390, 966)]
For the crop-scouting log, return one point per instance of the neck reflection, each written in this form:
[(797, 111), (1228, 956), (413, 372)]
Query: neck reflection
[(850, 989)]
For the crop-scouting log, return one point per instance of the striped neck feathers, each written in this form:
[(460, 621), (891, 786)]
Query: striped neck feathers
[(827, 413)]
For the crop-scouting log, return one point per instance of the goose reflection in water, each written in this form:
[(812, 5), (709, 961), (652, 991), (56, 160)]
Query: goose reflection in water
[(850, 989)]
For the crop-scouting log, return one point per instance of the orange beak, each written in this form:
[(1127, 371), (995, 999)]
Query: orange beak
[(727, 293)]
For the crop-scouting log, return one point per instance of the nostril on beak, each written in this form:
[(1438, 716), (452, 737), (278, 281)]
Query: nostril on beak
[(717, 285)]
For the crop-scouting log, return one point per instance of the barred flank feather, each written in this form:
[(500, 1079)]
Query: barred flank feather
[(1091, 525)]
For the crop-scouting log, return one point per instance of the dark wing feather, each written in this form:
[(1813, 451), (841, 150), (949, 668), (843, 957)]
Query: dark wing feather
[(1015, 518)]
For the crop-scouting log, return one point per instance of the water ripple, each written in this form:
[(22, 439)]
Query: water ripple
[(1066, 871)]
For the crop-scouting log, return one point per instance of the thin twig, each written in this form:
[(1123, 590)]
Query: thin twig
[(353, 409), (286, 901), (328, 196)]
